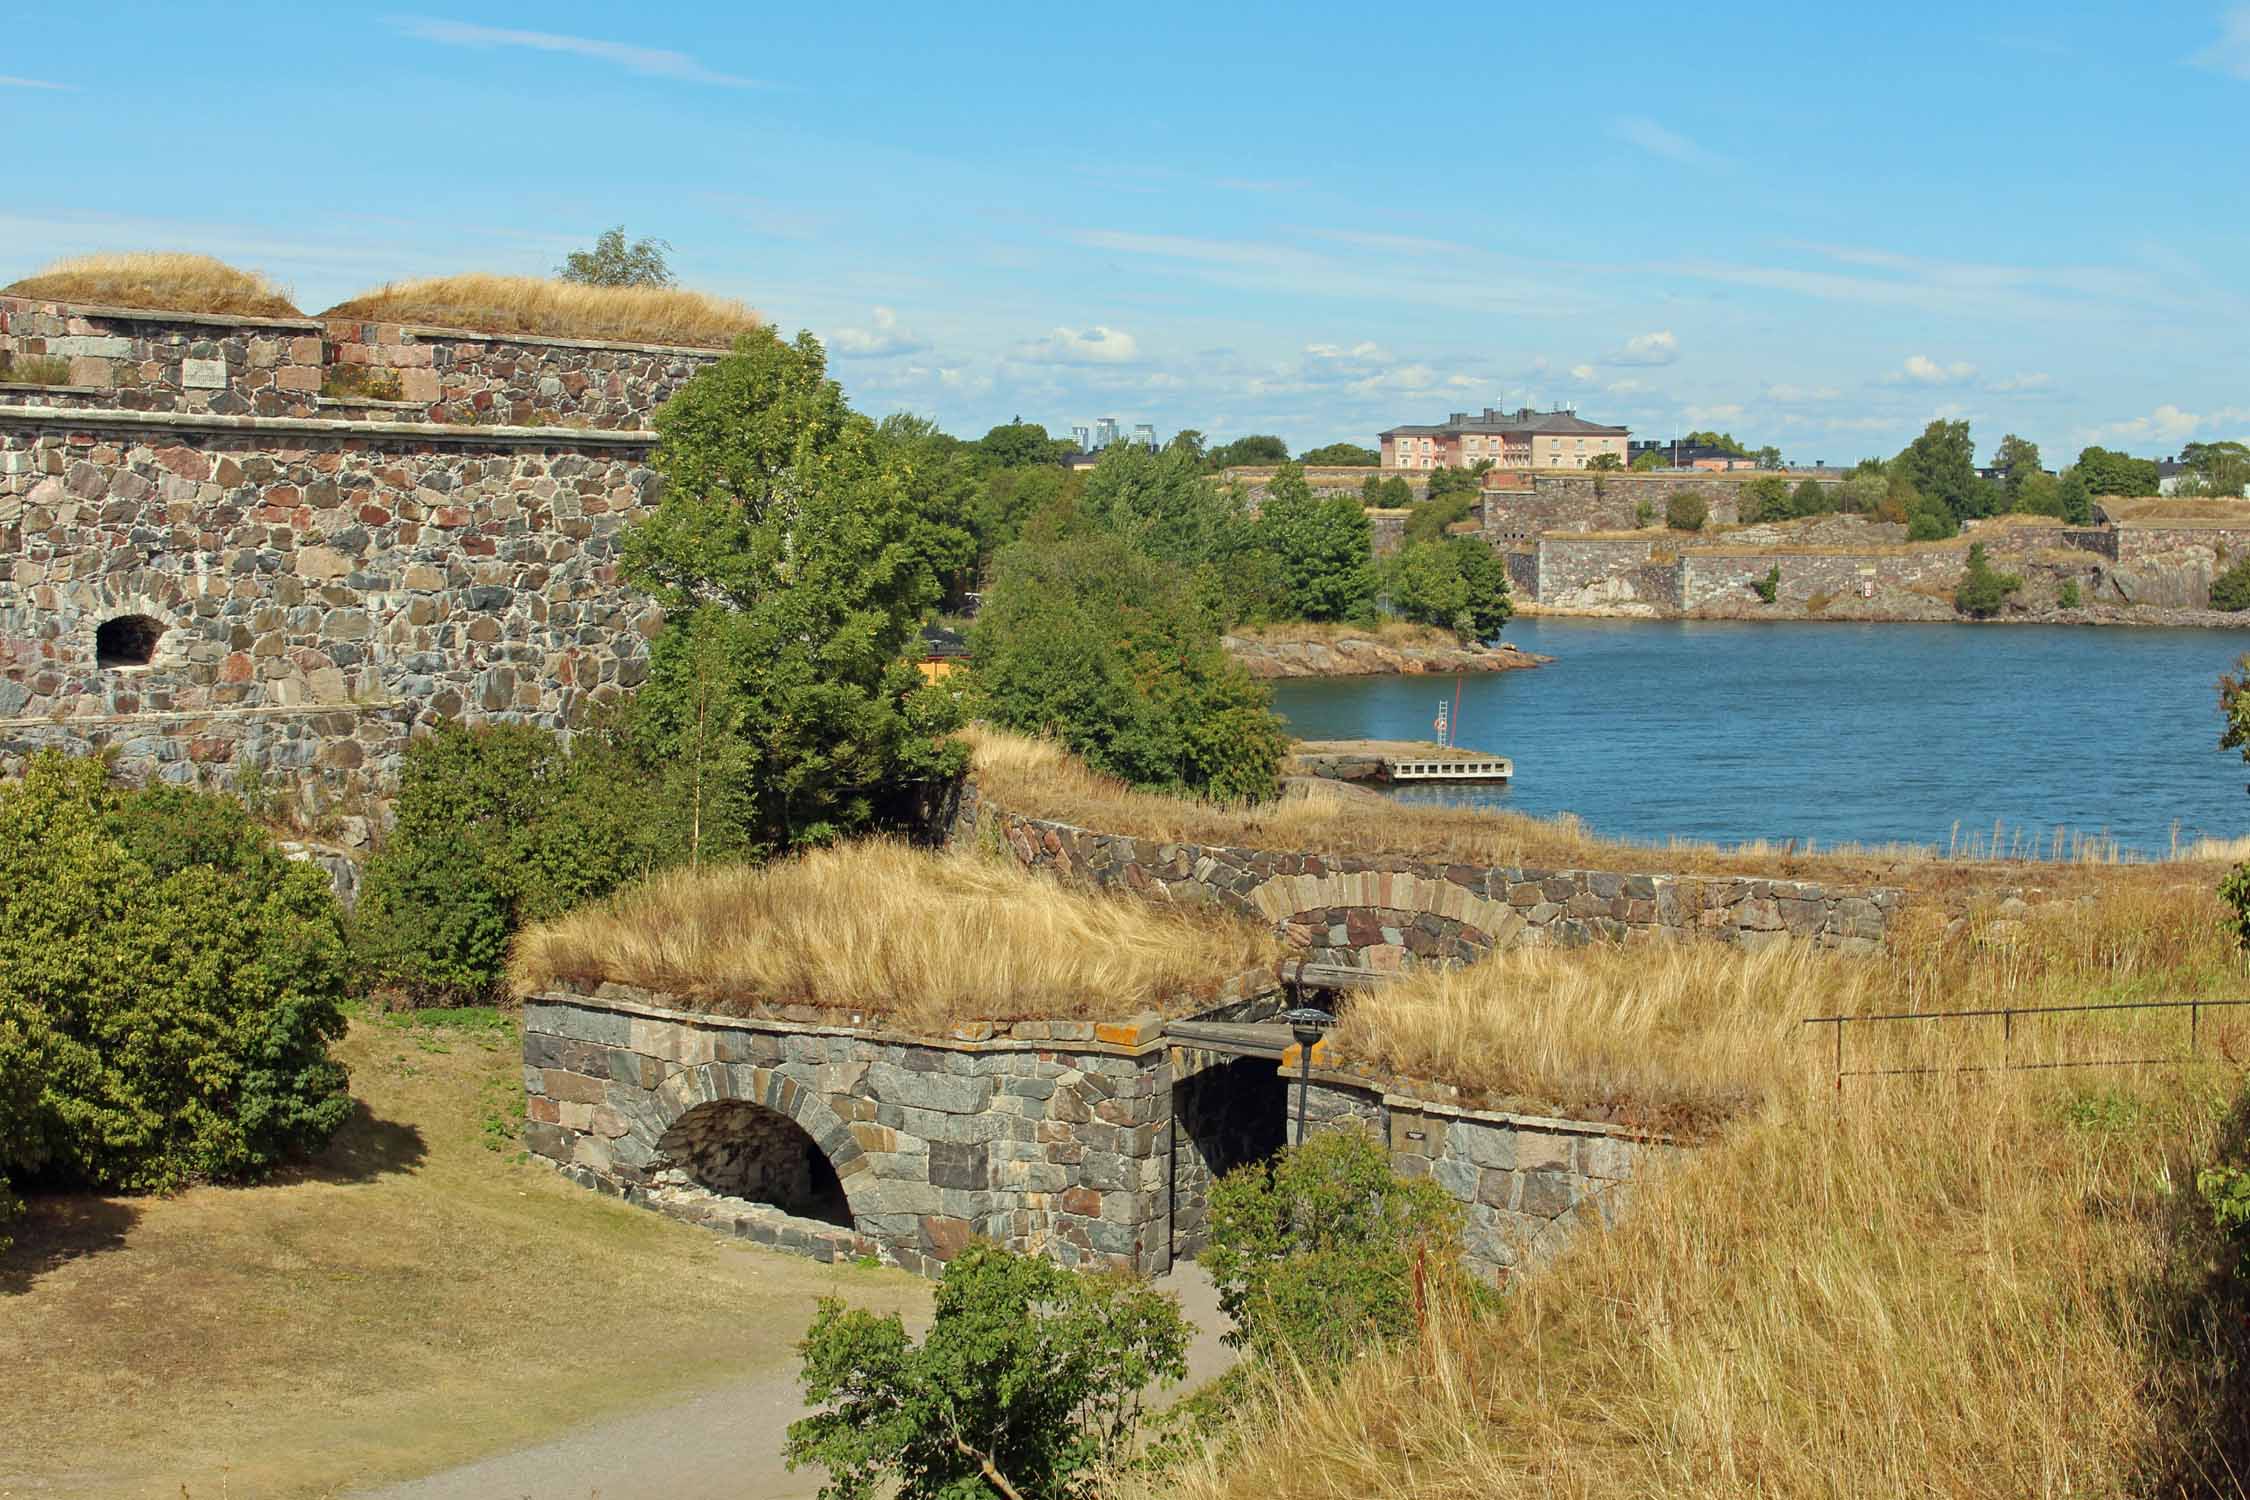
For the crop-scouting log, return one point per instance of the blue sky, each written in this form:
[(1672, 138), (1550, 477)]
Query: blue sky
[(1814, 229)]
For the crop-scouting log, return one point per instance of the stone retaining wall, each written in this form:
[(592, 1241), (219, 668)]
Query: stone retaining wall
[(275, 367), (1393, 913), (1096, 1153)]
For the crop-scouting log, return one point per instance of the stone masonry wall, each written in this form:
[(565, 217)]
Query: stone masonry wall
[(1391, 913), (1056, 1147), (1708, 578), (322, 591), (274, 367)]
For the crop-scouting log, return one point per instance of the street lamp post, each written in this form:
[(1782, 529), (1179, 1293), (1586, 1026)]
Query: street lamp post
[(1306, 1023)]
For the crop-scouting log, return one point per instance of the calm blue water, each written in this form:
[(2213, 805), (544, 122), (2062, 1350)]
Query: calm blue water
[(1867, 733)]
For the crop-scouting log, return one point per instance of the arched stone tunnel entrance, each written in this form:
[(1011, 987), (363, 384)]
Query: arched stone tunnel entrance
[(742, 1150)]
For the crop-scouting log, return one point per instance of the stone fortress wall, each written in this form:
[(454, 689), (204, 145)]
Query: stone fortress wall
[(323, 574)]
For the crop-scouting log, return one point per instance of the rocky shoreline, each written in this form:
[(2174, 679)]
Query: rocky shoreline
[(1364, 656), (1914, 611)]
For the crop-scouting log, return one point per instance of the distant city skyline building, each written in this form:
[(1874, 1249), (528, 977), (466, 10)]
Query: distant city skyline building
[(1107, 433), (1519, 439)]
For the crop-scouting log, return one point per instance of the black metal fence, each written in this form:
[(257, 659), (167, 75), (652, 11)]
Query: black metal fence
[(2007, 1015)]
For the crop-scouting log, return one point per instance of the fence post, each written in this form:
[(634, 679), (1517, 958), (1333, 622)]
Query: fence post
[(1839, 1054), (2195, 1027)]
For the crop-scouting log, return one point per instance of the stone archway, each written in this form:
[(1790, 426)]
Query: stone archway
[(778, 1132), (742, 1150)]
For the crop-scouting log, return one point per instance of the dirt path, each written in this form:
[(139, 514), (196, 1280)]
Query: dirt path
[(723, 1444)]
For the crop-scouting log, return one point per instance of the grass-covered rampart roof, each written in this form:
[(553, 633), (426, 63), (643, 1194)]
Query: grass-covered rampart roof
[(160, 281), (556, 309), (902, 938)]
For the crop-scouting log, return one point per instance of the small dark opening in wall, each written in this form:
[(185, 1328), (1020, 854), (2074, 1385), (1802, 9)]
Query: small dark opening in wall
[(127, 641)]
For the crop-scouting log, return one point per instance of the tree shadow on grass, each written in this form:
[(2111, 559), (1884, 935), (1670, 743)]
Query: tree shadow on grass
[(363, 1149), (2202, 1308), (57, 1229)]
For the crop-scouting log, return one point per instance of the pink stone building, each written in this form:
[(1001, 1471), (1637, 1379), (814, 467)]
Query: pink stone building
[(1521, 439)]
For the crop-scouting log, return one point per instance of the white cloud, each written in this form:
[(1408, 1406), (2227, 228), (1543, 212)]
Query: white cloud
[(1920, 369), (35, 83), (2031, 380), (1626, 387), (1070, 346), (1726, 411), (2230, 54), (881, 341), (1364, 349), (1647, 349), (1639, 130), (1582, 372), (1802, 393), (653, 62), (2170, 424)]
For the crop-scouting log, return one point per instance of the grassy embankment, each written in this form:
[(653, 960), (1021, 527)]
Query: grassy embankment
[(1038, 778), (1957, 1284), (900, 936), (415, 1298), (158, 279)]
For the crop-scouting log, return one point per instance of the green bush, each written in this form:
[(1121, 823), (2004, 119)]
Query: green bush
[(496, 826), (169, 984), (1929, 519), (1766, 499), (1111, 651), (2230, 591), (1427, 522), (1323, 548), (1390, 492), (1315, 1253), (1812, 498), (1862, 492), (1030, 1380), (1644, 511), (1686, 510), (2067, 597), (1983, 589), (1456, 583), (1768, 587)]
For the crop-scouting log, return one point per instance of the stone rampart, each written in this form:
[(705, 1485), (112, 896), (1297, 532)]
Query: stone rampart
[(1709, 578), (276, 367), (1095, 1145), (1392, 913), (320, 587)]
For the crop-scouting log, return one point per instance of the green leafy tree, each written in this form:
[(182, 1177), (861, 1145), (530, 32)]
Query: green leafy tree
[(2074, 500), (1812, 498), (940, 474), (1446, 480), (1259, 448), (1723, 441), (495, 826), (1650, 458), (1861, 492), (1341, 456), (1766, 498), (1983, 589), (791, 555), (1323, 547), (1164, 505), (613, 262), (1390, 492), (1941, 465), (2039, 495), (1456, 583), (1768, 457), (1017, 444), (1605, 463), (169, 985), (2230, 591), (2017, 459), (1428, 520), (1087, 640), (1028, 1385), (1315, 1254), (2234, 734), (1686, 510), (2108, 472), (2216, 469)]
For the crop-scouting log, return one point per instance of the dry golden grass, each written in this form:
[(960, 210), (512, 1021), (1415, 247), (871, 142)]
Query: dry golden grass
[(1039, 778), (558, 309), (2173, 510), (1329, 632), (898, 936), (1949, 1285), (163, 281)]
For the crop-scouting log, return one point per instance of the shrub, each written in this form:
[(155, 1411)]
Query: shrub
[(1686, 510), (1084, 639), (1315, 1254), (1766, 499), (33, 369), (1861, 493), (1812, 498), (361, 383), (1029, 1380), (494, 827), (2067, 597), (1456, 583), (1388, 492), (1767, 587), (2230, 591), (1983, 589), (1428, 521), (169, 984), (1929, 520), (1644, 511)]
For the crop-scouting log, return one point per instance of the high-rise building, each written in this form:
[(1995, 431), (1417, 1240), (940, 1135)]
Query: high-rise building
[(1105, 432), (1082, 437), (1145, 434)]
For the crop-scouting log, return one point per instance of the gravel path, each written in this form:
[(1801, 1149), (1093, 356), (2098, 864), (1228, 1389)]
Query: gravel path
[(724, 1444)]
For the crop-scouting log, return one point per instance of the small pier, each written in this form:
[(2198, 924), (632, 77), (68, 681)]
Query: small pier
[(1396, 762)]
